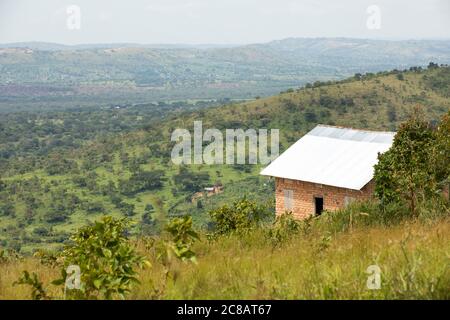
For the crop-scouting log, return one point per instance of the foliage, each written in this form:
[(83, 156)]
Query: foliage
[(191, 181), (7, 209), (284, 227), (106, 258), (242, 216), (178, 245), (142, 181), (406, 170), (334, 255), (182, 239), (441, 152), (48, 258), (37, 289)]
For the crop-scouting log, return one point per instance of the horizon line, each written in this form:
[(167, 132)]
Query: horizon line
[(218, 44)]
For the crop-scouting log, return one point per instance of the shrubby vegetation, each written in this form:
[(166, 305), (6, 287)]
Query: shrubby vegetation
[(240, 217), (416, 168), (324, 257)]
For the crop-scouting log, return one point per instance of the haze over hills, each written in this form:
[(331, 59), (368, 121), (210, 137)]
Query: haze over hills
[(46, 73), (52, 46)]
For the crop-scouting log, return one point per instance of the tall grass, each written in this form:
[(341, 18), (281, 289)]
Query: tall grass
[(414, 259), (326, 259)]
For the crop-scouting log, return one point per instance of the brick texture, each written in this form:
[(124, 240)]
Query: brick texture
[(303, 204)]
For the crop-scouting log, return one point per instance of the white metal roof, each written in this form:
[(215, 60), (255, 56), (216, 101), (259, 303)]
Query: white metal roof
[(334, 156)]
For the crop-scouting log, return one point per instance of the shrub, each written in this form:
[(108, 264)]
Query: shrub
[(42, 231), (183, 237), (127, 209), (243, 215), (106, 259), (142, 181), (284, 227), (7, 209)]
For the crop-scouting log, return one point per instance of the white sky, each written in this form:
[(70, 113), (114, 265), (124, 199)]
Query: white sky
[(219, 21)]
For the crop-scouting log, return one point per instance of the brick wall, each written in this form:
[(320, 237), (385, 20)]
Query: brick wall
[(304, 193)]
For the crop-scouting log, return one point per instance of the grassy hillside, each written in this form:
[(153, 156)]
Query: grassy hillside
[(327, 259), (45, 196)]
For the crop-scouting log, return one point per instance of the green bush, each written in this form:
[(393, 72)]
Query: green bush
[(242, 216), (285, 227), (182, 237), (106, 259)]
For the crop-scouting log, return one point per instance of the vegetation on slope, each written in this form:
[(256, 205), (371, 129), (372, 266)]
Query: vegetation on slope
[(325, 258), (46, 196), (249, 254)]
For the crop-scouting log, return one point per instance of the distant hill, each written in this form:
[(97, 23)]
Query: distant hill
[(40, 73), (51, 46)]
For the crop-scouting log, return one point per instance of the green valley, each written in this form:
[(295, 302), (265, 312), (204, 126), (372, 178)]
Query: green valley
[(72, 166)]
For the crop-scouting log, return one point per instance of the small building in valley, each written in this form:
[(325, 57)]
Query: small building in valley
[(326, 169), (208, 192)]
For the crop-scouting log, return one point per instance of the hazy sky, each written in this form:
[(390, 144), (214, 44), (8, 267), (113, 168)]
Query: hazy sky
[(219, 21)]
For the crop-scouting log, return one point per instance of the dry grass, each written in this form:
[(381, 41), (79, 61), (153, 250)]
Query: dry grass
[(414, 258)]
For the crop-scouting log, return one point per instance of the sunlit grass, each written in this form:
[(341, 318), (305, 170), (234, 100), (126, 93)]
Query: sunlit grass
[(414, 258)]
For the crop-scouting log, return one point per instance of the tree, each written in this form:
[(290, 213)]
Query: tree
[(433, 65), (190, 181), (310, 116), (406, 170), (127, 209), (54, 215), (7, 209), (142, 181), (441, 152), (392, 114)]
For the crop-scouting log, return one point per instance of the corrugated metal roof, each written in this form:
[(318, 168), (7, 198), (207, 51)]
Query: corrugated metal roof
[(334, 156)]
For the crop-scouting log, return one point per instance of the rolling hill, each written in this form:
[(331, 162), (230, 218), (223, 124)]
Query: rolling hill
[(45, 196)]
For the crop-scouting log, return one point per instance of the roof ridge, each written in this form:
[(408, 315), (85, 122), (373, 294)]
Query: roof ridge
[(350, 128)]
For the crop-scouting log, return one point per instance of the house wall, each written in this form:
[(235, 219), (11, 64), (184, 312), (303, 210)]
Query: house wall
[(304, 193)]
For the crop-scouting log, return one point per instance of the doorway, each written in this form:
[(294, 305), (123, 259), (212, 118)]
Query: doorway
[(318, 205)]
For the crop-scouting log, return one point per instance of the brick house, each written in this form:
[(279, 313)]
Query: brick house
[(326, 169)]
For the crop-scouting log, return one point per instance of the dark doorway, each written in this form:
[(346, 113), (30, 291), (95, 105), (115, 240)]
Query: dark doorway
[(318, 204)]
